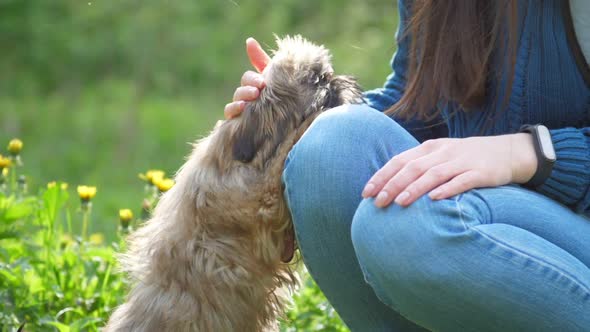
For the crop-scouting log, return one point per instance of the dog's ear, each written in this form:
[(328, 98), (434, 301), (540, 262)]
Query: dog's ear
[(249, 136), (343, 90), (265, 123)]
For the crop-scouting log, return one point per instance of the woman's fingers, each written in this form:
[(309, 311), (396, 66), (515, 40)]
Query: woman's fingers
[(396, 187), (258, 57), (431, 179), (252, 78), (382, 176), (234, 109), (246, 93), (251, 81), (250, 90), (459, 184)]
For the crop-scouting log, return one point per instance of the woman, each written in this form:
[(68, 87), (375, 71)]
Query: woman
[(466, 223)]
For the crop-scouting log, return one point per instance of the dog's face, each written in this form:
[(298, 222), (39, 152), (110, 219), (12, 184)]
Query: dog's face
[(300, 83)]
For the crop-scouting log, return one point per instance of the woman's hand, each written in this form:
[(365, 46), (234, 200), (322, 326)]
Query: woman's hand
[(451, 166), (252, 81)]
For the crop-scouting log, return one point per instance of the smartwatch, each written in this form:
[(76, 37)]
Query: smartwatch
[(545, 153)]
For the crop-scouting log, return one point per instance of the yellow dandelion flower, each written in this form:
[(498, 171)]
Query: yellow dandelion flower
[(125, 214), (164, 184), (156, 177), (15, 146), (152, 175), (5, 162), (5, 172), (51, 184), (96, 239), (64, 186), (86, 193)]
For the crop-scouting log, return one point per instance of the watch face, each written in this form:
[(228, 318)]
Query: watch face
[(546, 143)]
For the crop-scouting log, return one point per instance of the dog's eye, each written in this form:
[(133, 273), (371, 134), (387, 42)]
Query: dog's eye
[(321, 79), (315, 80), (326, 77)]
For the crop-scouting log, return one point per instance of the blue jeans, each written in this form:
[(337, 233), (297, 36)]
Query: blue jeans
[(493, 259)]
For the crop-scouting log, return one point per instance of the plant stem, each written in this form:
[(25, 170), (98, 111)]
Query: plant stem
[(13, 179), (85, 218)]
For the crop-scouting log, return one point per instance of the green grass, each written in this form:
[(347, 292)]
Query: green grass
[(104, 136)]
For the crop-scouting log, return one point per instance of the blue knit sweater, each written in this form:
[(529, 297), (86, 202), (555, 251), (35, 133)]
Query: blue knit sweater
[(551, 86)]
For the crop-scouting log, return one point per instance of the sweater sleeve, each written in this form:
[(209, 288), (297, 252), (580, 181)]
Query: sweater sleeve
[(393, 89), (569, 182)]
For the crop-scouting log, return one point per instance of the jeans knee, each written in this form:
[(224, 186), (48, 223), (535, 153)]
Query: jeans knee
[(376, 230), (343, 127), (380, 257), (402, 249), (358, 124), (418, 232), (351, 117), (348, 136), (332, 142)]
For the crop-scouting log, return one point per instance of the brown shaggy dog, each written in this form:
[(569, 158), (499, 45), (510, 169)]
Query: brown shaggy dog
[(214, 256)]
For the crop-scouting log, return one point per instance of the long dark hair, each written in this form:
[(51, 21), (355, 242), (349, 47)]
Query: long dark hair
[(451, 48)]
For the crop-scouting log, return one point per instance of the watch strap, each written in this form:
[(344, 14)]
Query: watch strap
[(544, 165)]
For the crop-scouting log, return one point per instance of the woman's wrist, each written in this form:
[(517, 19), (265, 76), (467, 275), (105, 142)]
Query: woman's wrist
[(523, 157)]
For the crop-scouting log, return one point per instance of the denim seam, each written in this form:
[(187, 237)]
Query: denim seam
[(489, 210), (379, 293), (521, 253)]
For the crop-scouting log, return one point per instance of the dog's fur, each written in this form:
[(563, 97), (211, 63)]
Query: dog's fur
[(210, 257)]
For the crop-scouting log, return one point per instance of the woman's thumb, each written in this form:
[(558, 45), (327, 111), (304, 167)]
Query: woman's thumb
[(258, 57)]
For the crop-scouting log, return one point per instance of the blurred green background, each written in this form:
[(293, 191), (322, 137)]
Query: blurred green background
[(102, 90)]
